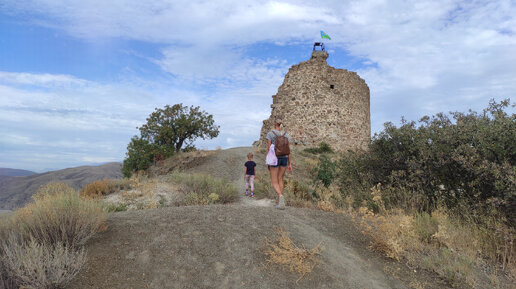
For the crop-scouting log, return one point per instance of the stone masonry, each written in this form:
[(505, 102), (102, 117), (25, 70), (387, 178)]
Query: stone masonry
[(317, 103)]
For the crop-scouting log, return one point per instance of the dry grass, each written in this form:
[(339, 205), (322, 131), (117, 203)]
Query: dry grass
[(42, 243), (180, 161), (262, 185), (200, 189), (96, 189), (282, 251), (38, 266), (106, 186), (462, 252), (59, 215)]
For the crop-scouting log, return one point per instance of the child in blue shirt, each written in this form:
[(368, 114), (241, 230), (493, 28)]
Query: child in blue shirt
[(249, 173)]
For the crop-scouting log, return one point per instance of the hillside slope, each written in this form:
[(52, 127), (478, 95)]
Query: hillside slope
[(17, 191), (15, 172), (222, 246)]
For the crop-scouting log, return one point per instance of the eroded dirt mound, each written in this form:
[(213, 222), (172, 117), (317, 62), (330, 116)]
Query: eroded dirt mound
[(221, 247)]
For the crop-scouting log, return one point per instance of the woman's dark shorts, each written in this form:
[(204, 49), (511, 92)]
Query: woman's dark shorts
[(282, 162)]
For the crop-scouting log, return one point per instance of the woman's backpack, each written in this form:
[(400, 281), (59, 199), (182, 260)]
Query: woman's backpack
[(281, 145)]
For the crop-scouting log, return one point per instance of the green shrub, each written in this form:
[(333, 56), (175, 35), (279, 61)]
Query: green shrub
[(425, 226), (141, 154), (197, 189), (457, 160), (321, 149), (354, 177), (121, 207), (325, 171), (453, 267)]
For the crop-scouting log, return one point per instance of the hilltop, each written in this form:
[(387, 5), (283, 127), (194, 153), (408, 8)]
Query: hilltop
[(15, 172), (222, 246)]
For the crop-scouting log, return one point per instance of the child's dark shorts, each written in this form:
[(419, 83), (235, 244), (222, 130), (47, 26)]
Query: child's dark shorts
[(282, 161)]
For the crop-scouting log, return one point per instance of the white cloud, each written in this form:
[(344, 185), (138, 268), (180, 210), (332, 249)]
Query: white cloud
[(75, 125), (45, 79), (412, 42)]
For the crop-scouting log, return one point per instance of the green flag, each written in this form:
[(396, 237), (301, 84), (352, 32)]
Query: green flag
[(324, 35)]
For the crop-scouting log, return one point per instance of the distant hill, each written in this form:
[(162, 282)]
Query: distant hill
[(17, 191), (15, 172)]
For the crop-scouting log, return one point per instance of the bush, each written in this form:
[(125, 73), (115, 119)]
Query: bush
[(141, 154), (39, 266), (458, 160), (201, 189), (59, 215), (121, 207), (96, 189), (354, 177), (104, 187), (425, 226), (41, 243), (325, 171), (168, 130), (321, 149)]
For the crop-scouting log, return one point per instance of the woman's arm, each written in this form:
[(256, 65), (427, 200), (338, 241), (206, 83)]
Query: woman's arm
[(289, 162), (268, 145)]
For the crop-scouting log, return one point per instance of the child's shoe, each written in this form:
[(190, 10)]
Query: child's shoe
[(246, 192), (252, 194)]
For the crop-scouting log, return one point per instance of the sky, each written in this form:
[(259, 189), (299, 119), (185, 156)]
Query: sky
[(78, 77)]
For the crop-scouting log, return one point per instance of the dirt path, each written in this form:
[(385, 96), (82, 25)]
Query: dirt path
[(222, 246), (229, 164)]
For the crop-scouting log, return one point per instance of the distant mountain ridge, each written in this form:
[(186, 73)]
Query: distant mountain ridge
[(15, 192), (15, 172)]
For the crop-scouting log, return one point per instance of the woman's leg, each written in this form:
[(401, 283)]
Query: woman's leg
[(281, 173), (274, 181)]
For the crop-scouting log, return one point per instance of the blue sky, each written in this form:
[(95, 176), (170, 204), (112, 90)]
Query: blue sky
[(78, 77)]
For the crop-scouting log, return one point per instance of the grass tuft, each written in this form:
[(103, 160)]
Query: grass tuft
[(104, 187), (200, 189), (283, 251)]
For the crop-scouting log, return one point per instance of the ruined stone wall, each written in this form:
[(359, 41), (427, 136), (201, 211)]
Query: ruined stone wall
[(317, 102)]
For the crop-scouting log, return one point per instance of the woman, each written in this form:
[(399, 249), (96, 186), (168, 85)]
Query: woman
[(278, 171)]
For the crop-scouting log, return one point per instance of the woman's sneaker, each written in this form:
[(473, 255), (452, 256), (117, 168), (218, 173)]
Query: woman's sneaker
[(281, 203)]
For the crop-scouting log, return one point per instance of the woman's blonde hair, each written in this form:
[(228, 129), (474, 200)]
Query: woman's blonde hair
[(250, 155), (277, 121)]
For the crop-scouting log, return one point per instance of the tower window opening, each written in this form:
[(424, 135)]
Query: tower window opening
[(332, 86)]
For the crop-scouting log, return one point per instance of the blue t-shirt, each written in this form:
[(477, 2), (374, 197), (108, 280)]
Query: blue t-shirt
[(250, 167)]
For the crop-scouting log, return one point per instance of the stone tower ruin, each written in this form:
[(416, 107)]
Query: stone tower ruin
[(317, 103)]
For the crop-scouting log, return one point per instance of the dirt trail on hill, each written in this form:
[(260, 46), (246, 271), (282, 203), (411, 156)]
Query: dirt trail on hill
[(221, 246)]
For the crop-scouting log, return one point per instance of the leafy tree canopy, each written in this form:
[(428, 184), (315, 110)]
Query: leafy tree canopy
[(178, 125), (168, 130)]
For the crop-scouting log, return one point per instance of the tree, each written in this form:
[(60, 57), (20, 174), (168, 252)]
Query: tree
[(167, 130), (177, 125), (140, 155)]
